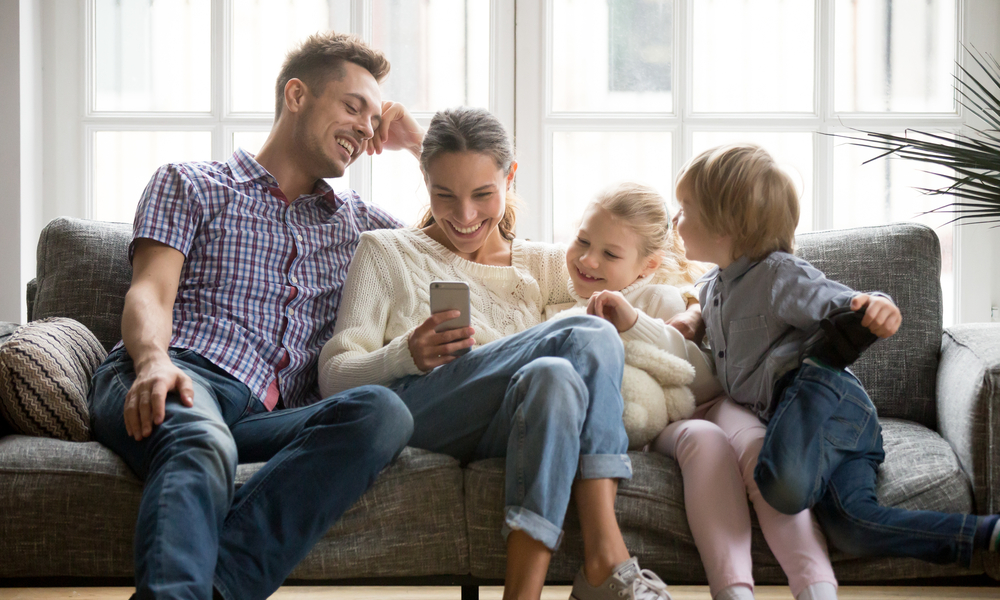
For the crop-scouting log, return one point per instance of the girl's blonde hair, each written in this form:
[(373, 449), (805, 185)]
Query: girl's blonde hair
[(467, 129), (739, 191), (645, 212)]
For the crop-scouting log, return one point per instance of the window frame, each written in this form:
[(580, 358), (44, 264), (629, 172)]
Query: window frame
[(536, 123)]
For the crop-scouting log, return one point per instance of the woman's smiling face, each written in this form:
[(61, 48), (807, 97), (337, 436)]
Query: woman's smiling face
[(468, 197)]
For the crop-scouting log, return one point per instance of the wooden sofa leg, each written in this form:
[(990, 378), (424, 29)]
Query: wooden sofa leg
[(470, 592)]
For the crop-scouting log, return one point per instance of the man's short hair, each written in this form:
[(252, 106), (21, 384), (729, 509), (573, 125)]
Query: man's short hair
[(320, 59), (739, 191)]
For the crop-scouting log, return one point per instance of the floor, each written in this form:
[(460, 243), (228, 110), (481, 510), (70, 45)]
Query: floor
[(494, 593)]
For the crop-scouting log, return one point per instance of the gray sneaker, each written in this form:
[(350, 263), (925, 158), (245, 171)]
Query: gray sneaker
[(627, 581)]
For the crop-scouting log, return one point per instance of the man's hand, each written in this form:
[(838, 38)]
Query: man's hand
[(397, 131), (689, 323), (145, 403), (613, 307), (430, 349), (882, 317)]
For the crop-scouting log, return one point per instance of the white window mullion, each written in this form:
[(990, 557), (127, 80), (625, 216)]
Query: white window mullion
[(222, 15), (533, 142), (360, 173), (823, 103)]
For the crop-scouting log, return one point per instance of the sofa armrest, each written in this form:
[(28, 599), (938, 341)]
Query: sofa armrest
[(968, 405)]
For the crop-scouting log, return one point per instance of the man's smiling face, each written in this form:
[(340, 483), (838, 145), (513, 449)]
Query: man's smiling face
[(335, 126)]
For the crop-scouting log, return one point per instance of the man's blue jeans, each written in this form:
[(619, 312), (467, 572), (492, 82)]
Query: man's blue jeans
[(822, 450), (548, 399), (194, 531)]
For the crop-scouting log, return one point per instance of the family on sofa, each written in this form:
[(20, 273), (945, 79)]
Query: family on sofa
[(273, 320)]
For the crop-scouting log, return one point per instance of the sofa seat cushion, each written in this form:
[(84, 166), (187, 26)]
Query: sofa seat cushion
[(45, 371), (920, 472), (69, 509)]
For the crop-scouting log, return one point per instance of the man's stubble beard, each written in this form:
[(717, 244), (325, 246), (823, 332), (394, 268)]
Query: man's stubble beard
[(314, 152)]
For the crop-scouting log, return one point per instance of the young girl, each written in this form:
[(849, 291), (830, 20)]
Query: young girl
[(626, 265)]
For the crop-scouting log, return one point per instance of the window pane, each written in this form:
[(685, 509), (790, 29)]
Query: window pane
[(263, 32), (585, 162), (894, 55), (612, 55), (753, 55), (125, 160), (792, 151), (153, 55), (885, 191), (439, 50), (398, 186)]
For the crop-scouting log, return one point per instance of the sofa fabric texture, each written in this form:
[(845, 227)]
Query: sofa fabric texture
[(68, 509), (45, 371)]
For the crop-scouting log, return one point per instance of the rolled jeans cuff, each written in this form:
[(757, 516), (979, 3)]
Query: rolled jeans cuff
[(605, 466), (538, 528)]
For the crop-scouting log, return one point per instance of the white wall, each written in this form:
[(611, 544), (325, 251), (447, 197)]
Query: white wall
[(10, 161)]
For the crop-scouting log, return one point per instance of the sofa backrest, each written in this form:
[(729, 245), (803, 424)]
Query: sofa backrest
[(904, 261), (83, 273)]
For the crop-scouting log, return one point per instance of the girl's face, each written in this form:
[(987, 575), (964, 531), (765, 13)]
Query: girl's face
[(605, 254), (468, 197)]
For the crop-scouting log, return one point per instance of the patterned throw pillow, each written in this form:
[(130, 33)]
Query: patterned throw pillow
[(45, 370)]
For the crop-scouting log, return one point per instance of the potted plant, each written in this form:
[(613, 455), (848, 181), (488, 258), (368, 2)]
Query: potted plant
[(971, 158)]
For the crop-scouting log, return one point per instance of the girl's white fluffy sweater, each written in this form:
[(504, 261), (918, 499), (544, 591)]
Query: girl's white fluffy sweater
[(657, 299), (387, 295)]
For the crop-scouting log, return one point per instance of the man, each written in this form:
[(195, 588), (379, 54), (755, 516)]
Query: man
[(237, 273)]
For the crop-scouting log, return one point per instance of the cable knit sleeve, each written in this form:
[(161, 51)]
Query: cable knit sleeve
[(554, 276), (358, 353)]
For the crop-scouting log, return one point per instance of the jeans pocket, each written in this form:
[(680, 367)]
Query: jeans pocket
[(848, 422)]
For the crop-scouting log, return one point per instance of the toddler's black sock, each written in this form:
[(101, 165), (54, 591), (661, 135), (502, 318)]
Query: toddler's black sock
[(987, 533)]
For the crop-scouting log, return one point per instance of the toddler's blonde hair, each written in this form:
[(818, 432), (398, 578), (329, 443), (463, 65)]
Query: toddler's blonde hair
[(739, 191), (645, 212)]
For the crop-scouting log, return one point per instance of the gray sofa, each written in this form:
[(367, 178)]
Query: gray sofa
[(67, 510)]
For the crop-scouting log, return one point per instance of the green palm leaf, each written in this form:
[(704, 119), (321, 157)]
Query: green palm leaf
[(972, 158)]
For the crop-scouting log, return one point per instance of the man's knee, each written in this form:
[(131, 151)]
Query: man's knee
[(385, 422)]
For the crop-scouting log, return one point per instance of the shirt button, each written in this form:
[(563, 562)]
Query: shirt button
[(291, 311), (298, 237), (721, 353), (295, 279)]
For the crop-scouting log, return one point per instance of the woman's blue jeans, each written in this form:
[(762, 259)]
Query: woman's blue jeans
[(194, 530), (822, 450), (548, 399)]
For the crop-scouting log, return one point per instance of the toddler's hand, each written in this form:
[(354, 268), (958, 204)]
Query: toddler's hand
[(430, 349), (690, 323), (614, 307), (882, 317)]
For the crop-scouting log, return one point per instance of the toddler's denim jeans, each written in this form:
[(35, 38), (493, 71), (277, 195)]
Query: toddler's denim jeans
[(822, 450), (194, 531), (548, 398)]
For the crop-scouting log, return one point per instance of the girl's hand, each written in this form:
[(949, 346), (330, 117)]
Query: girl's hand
[(882, 317), (430, 349), (615, 308), (690, 323)]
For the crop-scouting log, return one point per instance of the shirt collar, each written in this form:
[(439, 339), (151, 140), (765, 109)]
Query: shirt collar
[(246, 168), (736, 268)]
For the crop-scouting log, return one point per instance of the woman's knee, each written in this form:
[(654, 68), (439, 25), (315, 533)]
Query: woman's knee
[(593, 335), (552, 389)]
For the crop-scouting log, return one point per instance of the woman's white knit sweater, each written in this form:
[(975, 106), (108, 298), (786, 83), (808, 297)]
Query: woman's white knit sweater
[(387, 295)]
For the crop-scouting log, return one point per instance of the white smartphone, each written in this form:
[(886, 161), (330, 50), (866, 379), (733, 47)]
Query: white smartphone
[(451, 295)]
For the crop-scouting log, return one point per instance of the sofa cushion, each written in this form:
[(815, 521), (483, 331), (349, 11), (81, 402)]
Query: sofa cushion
[(920, 471), (70, 509), (904, 261), (83, 273), (45, 371)]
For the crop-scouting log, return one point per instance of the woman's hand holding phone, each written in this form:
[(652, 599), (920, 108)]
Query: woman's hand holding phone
[(431, 349)]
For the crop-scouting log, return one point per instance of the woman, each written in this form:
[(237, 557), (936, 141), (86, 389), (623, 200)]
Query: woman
[(545, 395)]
